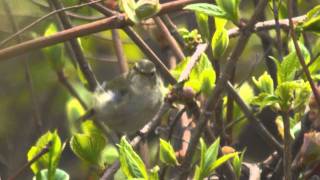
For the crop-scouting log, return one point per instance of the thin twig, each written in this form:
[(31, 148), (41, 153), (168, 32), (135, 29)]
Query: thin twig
[(299, 53), (275, 9), (83, 63), (173, 29), (216, 94), (172, 42), (108, 23), (135, 141), (3, 42), (28, 76), (265, 134), (30, 162), (117, 44), (201, 48), (64, 81), (140, 43), (155, 120), (287, 157)]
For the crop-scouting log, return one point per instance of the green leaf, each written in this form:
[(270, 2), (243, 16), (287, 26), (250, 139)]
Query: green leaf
[(236, 164), (49, 160), (264, 83), (231, 7), (208, 9), (290, 64), (302, 95), (55, 53), (88, 127), (154, 173), (74, 112), (197, 173), (220, 39), (203, 26), (202, 76), (285, 92), (210, 157), (203, 149), (147, 8), (88, 147), (58, 175), (220, 161), (109, 154), (312, 22), (130, 163), (167, 154), (129, 6)]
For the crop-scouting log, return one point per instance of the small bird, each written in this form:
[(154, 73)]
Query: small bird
[(129, 101)]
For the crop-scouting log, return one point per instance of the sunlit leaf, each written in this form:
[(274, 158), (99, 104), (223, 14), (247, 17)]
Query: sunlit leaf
[(49, 160), (231, 7), (312, 22), (130, 163), (88, 147), (208, 9), (203, 26), (221, 160), (167, 154), (220, 39)]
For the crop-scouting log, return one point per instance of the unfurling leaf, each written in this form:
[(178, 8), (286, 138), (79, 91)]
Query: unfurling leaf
[(264, 83), (49, 160), (167, 154), (88, 147), (312, 22), (220, 39)]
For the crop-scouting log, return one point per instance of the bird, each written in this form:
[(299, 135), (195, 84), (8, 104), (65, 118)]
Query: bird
[(129, 101)]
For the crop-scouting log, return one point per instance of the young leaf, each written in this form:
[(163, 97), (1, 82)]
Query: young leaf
[(231, 7), (220, 161), (203, 26), (167, 154), (74, 112), (58, 175), (131, 164), (55, 54), (208, 9), (202, 76), (129, 6), (220, 39), (210, 157), (264, 83), (236, 164), (49, 160), (311, 23), (88, 147)]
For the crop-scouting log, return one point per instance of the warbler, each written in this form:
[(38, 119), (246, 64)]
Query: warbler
[(129, 101)]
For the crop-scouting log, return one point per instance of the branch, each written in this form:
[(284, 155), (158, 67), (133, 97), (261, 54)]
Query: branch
[(172, 42), (75, 47), (118, 47), (140, 43), (29, 163), (216, 94), (3, 42), (299, 54)]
